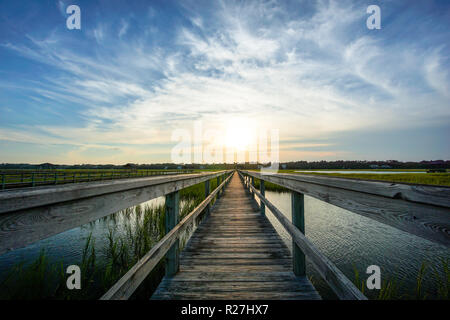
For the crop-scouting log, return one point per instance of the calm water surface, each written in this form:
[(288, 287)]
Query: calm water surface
[(354, 171), (347, 239), (68, 246)]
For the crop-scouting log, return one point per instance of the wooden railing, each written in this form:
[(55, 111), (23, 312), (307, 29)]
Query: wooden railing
[(29, 215), (168, 246), (21, 179), (417, 209)]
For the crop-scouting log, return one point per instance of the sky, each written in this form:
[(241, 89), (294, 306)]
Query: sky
[(117, 90)]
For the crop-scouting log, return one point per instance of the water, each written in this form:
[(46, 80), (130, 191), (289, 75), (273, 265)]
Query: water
[(349, 239), (68, 246), (355, 172)]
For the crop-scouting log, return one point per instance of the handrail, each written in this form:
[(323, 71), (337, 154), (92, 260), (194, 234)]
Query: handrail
[(125, 287), (29, 215), (417, 209), (22, 179), (338, 282)]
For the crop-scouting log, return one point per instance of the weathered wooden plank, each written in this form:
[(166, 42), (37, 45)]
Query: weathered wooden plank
[(31, 215), (297, 288), (235, 286), (235, 255), (236, 268), (237, 261), (233, 276), (236, 296), (298, 220), (237, 246), (419, 210), (13, 200), (434, 195), (233, 242), (172, 214), (235, 249), (240, 236)]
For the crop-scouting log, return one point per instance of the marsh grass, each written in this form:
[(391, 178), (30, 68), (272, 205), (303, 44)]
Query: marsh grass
[(392, 288), (270, 186)]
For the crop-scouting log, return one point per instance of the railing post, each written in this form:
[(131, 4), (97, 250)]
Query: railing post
[(298, 220), (253, 184), (32, 180), (171, 220), (262, 190), (218, 184), (207, 191), (3, 181)]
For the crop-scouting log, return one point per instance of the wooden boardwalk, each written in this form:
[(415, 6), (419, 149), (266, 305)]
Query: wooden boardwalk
[(235, 254)]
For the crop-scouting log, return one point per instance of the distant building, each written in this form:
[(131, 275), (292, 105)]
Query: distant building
[(373, 166)]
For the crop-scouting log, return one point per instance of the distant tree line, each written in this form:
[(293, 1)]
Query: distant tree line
[(339, 164), (342, 164)]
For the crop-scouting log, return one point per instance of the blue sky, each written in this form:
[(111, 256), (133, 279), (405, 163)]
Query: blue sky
[(114, 91)]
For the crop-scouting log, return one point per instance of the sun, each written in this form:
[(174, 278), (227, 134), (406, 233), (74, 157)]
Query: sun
[(239, 135)]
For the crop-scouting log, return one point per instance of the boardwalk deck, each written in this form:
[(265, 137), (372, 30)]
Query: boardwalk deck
[(235, 254)]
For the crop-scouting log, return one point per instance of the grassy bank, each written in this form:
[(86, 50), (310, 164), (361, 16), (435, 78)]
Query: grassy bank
[(32, 178), (441, 179), (270, 186)]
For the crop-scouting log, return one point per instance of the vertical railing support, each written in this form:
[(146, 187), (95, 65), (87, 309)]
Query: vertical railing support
[(253, 184), (298, 220), (262, 189), (171, 220), (3, 181), (218, 184), (207, 191)]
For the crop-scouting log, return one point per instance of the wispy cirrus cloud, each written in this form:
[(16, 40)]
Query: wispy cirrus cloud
[(310, 73)]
